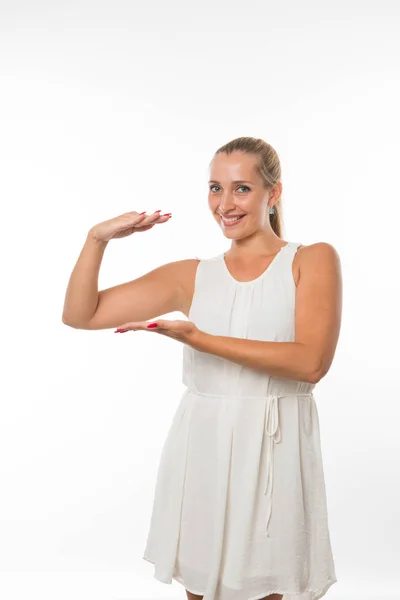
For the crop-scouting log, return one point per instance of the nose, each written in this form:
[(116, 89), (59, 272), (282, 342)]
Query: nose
[(226, 204)]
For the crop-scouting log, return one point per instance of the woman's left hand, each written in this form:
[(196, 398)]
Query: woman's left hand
[(183, 331)]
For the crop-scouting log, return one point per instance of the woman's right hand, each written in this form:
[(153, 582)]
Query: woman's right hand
[(126, 224)]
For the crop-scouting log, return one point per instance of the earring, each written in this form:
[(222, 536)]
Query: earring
[(272, 211)]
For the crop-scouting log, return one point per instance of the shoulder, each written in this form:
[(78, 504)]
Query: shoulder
[(184, 274), (318, 253), (187, 267), (181, 270), (315, 258)]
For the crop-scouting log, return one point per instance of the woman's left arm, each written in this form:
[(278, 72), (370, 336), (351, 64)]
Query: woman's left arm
[(318, 313)]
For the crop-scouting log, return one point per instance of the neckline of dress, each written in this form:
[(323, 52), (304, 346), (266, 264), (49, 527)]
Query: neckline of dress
[(237, 282)]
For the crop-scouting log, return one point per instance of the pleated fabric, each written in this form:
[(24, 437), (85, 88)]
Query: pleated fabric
[(240, 508)]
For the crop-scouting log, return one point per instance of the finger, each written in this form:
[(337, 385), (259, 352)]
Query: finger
[(158, 215), (143, 217), (148, 225), (126, 327), (151, 220), (161, 324)]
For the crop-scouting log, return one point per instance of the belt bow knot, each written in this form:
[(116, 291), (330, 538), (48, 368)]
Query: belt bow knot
[(274, 435)]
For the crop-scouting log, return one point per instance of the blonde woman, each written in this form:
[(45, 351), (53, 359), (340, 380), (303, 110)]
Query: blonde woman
[(240, 509)]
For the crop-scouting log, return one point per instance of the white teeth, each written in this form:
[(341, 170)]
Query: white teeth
[(231, 218)]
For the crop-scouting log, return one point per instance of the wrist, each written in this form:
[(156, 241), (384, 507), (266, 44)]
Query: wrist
[(91, 236), (197, 339)]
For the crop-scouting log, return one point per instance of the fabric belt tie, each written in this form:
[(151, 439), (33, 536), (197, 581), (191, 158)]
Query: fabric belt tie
[(273, 430)]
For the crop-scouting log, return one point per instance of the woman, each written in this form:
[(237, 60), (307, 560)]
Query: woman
[(240, 507)]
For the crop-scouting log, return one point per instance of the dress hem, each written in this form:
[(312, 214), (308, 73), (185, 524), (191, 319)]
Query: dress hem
[(320, 591)]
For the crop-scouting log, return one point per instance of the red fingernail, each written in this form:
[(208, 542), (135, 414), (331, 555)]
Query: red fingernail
[(158, 210), (142, 213), (152, 325)]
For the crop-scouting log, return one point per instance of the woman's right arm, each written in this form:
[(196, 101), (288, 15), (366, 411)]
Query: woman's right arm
[(156, 293), (82, 296)]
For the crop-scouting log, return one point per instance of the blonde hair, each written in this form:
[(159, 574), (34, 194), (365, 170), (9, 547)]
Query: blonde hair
[(268, 166)]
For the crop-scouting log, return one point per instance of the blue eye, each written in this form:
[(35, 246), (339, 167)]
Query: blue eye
[(240, 186)]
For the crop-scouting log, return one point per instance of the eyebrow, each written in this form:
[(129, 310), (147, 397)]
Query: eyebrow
[(237, 181)]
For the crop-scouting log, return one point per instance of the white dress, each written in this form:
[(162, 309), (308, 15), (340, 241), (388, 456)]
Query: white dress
[(240, 506)]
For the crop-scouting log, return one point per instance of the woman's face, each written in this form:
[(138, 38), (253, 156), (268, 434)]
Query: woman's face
[(236, 190)]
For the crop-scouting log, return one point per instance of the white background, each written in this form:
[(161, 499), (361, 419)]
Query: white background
[(107, 107)]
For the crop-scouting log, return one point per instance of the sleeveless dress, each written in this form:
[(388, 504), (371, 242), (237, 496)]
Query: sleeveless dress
[(240, 508)]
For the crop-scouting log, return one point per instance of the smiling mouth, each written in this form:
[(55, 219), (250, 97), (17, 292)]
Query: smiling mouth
[(231, 220)]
